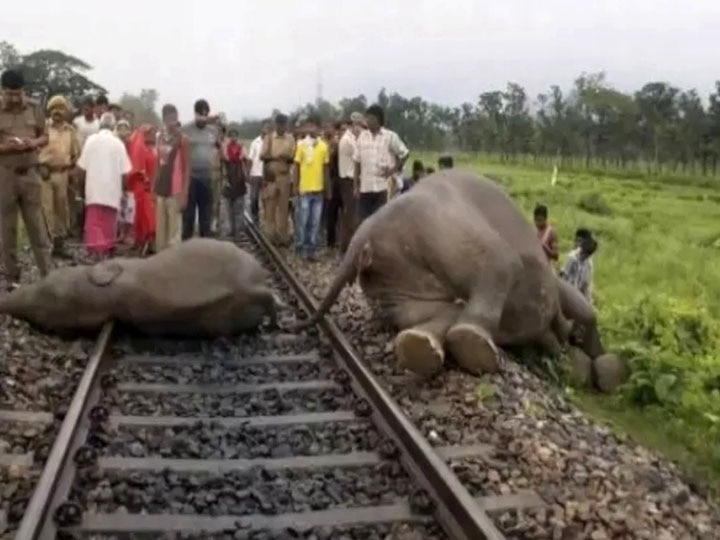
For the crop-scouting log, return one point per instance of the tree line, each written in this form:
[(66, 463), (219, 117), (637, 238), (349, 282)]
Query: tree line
[(659, 128), (49, 72)]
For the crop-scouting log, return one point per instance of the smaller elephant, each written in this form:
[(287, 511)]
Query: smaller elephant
[(199, 288)]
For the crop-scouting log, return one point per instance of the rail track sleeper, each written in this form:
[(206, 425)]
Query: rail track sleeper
[(30, 417), (401, 511), (234, 421), (169, 388), (200, 360), (148, 523), (460, 515), (351, 459)]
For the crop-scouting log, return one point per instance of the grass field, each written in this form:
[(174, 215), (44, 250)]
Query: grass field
[(657, 291)]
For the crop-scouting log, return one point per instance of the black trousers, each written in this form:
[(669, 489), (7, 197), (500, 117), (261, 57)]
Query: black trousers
[(369, 203), (200, 201), (333, 206), (255, 185)]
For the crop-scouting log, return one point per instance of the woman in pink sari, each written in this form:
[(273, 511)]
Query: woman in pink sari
[(141, 181)]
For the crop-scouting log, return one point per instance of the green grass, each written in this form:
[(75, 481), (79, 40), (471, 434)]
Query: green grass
[(657, 291)]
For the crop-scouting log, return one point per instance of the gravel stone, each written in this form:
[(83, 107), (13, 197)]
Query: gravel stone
[(269, 403), (595, 484), (209, 440), (224, 374), (256, 491)]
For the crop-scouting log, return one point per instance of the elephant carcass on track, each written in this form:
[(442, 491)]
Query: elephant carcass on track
[(201, 287)]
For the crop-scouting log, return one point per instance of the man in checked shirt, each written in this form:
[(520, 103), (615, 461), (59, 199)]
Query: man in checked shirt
[(379, 156)]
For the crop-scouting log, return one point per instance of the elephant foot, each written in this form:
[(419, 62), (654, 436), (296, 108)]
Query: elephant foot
[(473, 349), (419, 352)]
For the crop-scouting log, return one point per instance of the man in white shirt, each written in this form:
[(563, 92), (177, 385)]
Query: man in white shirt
[(346, 171), (105, 165), (86, 124), (256, 172), (379, 155)]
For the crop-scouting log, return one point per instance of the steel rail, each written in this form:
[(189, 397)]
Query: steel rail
[(38, 513), (456, 510), (37, 519)]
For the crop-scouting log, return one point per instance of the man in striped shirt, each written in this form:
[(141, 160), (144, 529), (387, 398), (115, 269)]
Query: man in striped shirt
[(578, 269), (379, 156)]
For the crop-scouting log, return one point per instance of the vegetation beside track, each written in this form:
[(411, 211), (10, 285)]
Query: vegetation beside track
[(656, 291)]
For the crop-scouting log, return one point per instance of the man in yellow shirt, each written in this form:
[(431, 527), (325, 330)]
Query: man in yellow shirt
[(312, 158)]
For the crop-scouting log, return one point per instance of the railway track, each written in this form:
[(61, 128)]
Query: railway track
[(37, 378), (269, 435)]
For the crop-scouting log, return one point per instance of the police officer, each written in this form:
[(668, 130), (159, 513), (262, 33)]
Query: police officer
[(59, 156), (22, 134)]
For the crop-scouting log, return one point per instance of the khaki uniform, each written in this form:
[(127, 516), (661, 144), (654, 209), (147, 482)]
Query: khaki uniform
[(278, 153), (61, 152), (21, 190)]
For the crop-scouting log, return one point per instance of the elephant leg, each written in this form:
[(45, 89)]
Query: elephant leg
[(576, 308), (420, 348), (549, 342), (561, 327), (470, 339)]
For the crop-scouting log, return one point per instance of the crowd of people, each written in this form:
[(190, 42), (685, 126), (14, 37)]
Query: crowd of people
[(96, 176)]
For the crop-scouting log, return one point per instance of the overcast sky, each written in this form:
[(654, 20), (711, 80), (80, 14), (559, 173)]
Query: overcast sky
[(247, 57)]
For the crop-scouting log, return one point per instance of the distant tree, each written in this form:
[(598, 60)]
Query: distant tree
[(9, 56), (142, 106), (657, 102), (50, 72), (659, 128)]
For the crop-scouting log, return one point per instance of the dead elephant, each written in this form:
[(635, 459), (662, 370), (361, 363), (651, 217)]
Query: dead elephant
[(199, 288), (456, 266)]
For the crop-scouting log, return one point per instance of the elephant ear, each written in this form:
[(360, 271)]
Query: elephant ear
[(365, 259), (104, 273)]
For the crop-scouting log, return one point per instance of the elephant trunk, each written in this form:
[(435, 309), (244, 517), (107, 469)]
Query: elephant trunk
[(344, 276), (591, 344), (577, 308)]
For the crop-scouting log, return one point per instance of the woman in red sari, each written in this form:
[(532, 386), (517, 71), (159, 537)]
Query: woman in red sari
[(141, 181)]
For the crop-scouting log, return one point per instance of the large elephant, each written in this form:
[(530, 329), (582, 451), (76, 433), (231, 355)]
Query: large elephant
[(201, 287), (456, 266)]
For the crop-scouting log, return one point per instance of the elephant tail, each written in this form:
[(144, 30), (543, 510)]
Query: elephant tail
[(345, 275)]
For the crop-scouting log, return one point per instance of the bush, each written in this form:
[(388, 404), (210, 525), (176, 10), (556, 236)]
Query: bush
[(594, 203), (674, 353)]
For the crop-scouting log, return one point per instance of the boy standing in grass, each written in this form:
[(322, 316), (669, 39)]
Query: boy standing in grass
[(578, 269), (546, 234), (312, 159)]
